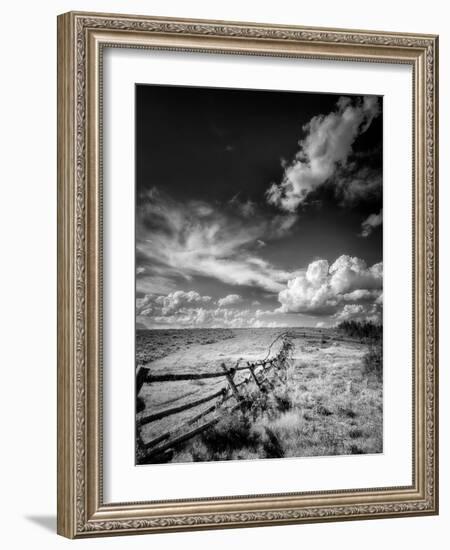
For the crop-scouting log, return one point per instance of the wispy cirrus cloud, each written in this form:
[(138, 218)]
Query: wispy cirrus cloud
[(229, 300), (197, 238), (324, 153), (372, 222)]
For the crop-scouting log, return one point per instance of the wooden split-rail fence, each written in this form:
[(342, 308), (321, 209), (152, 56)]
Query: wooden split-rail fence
[(223, 401)]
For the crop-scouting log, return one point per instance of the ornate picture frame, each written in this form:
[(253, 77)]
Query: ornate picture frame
[(82, 39)]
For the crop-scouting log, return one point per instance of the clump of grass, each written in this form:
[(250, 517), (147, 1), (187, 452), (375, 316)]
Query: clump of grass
[(355, 433), (323, 411), (347, 411)]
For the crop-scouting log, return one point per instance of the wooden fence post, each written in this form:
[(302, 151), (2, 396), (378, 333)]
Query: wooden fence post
[(141, 374), (252, 370), (280, 368), (275, 370), (266, 378), (230, 374)]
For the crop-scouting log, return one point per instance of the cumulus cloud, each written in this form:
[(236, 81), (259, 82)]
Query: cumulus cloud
[(373, 221), (351, 273), (170, 303), (144, 304), (176, 300), (362, 295), (263, 313), (229, 300), (350, 312), (325, 151), (359, 312), (153, 312), (324, 290)]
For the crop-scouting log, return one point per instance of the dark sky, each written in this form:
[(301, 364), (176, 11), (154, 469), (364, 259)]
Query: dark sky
[(209, 227)]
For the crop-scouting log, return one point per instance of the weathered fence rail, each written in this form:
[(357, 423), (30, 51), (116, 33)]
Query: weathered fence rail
[(177, 435), (185, 437), (146, 418), (175, 377)]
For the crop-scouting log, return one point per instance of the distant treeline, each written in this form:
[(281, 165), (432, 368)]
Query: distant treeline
[(363, 330)]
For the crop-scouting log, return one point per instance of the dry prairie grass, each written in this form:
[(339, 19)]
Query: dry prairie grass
[(156, 344), (331, 403)]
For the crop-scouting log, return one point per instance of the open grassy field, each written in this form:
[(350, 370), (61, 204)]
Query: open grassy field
[(327, 402), (154, 344)]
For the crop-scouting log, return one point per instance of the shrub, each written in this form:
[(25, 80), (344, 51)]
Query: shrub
[(272, 446), (361, 329), (231, 433), (373, 360), (245, 432), (372, 334)]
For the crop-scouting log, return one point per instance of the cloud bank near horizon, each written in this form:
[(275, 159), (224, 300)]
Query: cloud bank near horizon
[(345, 290)]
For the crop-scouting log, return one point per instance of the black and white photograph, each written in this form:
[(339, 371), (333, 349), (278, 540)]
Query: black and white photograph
[(259, 274)]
